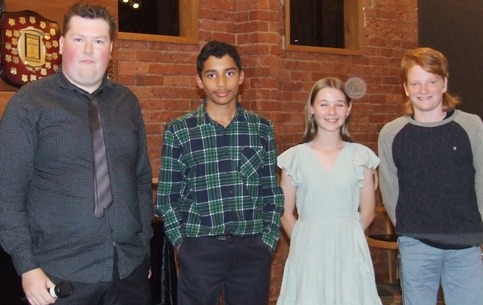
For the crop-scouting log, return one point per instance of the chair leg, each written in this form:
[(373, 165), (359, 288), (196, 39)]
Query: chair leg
[(389, 265)]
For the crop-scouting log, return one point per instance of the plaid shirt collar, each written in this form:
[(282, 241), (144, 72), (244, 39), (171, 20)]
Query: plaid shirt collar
[(204, 117)]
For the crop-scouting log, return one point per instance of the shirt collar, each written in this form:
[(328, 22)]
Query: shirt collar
[(65, 83), (204, 118)]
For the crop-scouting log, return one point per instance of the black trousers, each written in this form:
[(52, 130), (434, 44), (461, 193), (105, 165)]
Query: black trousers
[(131, 290), (238, 268)]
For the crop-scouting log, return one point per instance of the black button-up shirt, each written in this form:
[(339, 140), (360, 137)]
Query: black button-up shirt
[(46, 181)]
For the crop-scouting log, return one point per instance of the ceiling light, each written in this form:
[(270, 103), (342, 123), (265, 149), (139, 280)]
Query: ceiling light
[(135, 4)]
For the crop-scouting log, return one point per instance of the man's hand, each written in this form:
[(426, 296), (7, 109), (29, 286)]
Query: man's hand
[(35, 284)]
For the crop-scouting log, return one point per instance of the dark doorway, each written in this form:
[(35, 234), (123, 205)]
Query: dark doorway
[(456, 29)]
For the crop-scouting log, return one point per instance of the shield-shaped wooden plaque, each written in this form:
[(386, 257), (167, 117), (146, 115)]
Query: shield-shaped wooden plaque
[(29, 47)]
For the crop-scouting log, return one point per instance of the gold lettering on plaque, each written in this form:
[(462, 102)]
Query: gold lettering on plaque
[(31, 47)]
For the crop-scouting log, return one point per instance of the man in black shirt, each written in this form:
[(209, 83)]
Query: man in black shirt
[(47, 178)]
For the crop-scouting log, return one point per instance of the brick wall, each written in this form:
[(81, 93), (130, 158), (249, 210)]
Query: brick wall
[(277, 81)]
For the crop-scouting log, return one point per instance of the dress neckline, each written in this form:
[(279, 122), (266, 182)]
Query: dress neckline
[(313, 152)]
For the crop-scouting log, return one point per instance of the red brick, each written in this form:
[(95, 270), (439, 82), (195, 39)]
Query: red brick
[(277, 81)]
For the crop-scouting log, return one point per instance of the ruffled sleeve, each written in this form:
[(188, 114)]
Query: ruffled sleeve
[(364, 158), (290, 162)]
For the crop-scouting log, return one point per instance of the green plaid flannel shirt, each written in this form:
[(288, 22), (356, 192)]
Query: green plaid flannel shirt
[(216, 180)]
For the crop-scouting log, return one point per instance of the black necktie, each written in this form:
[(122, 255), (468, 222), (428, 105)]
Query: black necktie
[(102, 183)]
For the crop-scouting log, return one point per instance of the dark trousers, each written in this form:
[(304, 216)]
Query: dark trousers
[(236, 267), (131, 290)]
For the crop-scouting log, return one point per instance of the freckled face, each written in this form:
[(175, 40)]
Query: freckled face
[(86, 50), (220, 79), (425, 90)]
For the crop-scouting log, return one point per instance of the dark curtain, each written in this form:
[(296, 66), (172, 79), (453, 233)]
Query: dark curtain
[(164, 278), (11, 292)]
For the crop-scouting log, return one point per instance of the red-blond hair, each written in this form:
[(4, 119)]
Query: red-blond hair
[(431, 61)]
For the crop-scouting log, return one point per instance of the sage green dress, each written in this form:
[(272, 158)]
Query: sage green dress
[(329, 261)]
